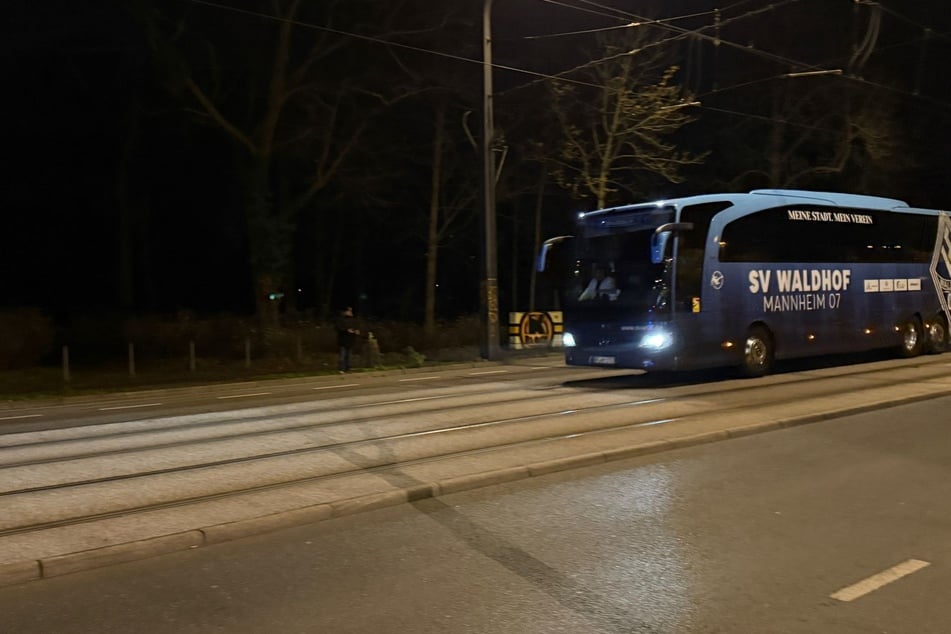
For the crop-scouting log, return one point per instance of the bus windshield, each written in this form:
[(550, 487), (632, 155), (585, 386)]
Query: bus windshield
[(614, 274)]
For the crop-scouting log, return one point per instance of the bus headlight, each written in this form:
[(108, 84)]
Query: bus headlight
[(568, 340), (657, 340)]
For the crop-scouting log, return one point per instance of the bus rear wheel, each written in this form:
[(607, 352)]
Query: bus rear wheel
[(938, 335), (757, 352), (912, 338)]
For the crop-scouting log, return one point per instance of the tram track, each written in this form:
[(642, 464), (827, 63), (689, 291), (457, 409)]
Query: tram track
[(89, 501), (229, 430), (395, 449), (274, 486)]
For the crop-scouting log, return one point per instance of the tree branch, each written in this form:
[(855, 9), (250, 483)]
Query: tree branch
[(218, 117)]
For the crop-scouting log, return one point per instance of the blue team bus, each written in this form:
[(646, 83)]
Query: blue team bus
[(744, 279)]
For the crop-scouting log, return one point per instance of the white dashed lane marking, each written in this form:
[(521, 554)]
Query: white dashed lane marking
[(244, 395), (106, 409), (860, 589)]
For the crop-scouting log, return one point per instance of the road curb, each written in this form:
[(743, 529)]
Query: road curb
[(19, 572), (120, 553), (230, 531)]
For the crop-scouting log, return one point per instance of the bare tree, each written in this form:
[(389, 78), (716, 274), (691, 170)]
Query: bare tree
[(452, 194), (302, 102), (621, 122), (824, 132), (442, 90)]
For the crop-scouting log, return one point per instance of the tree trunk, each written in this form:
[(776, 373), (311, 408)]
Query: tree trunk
[(432, 236), (266, 246), (775, 158), (126, 229)]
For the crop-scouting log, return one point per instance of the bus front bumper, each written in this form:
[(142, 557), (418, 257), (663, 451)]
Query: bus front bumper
[(623, 357)]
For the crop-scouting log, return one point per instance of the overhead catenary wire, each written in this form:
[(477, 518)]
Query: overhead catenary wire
[(380, 40), (864, 50), (698, 33), (626, 24), (620, 15), (559, 76)]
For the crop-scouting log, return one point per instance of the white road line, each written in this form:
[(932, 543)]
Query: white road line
[(883, 578), (488, 372), (105, 409), (22, 416), (335, 387), (245, 395), (410, 400), (657, 422), (421, 378)]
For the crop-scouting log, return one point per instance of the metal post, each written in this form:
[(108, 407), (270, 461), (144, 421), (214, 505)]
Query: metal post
[(490, 283)]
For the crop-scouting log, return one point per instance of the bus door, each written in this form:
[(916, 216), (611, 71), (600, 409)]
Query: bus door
[(695, 319)]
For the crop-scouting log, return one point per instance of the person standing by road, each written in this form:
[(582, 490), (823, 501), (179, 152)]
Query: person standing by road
[(347, 331)]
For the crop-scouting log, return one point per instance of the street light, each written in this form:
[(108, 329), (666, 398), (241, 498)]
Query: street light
[(490, 283)]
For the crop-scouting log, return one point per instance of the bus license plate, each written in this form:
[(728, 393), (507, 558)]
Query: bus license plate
[(602, 361)]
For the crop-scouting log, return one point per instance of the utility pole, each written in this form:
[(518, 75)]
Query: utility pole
[(490, 283)]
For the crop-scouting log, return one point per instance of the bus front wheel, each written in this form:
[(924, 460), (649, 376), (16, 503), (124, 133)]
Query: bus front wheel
[(912, 338), (757, 352)]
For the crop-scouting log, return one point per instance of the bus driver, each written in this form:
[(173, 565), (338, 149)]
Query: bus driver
[(601, 286)]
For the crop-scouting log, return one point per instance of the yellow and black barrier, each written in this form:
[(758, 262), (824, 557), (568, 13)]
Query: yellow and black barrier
[(536, 329)]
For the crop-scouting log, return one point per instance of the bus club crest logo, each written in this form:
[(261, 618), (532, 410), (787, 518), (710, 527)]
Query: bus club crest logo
[(941, 264), (716, 280), (536, 328)]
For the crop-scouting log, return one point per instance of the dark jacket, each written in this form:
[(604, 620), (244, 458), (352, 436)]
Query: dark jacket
[(346, 327)]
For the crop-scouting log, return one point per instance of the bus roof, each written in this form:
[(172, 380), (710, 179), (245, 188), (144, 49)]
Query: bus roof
[(739, 204), (833, 198), (757, 197)]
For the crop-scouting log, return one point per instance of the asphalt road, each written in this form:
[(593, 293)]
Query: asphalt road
[(836, 527)]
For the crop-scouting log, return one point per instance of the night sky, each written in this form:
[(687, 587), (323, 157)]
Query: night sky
[(122, 196)]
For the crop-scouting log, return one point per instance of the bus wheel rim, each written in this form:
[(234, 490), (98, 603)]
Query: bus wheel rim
[(938, 334), (911, 336), (755, 352)]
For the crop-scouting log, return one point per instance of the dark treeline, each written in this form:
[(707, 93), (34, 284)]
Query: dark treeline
[(169, 155)]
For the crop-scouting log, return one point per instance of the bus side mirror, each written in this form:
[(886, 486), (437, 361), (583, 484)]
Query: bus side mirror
[(544, 254), (659, 246), (662, 236)]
